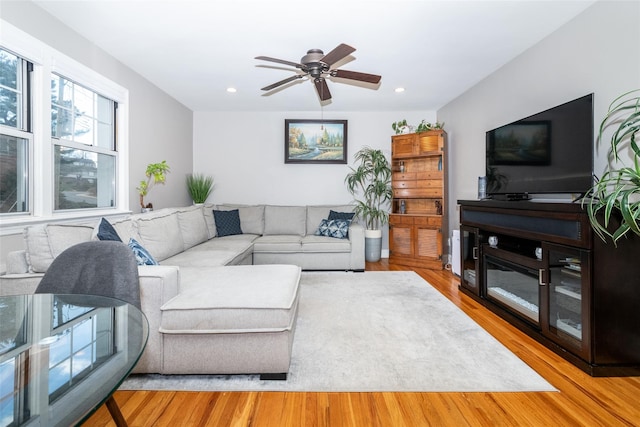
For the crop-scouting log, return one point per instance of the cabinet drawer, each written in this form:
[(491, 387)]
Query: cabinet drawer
[(409, 193), (430, 221), (404, 176), (401, 220)]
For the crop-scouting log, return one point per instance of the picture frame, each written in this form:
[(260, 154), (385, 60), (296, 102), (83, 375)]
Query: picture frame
[(315, 141)]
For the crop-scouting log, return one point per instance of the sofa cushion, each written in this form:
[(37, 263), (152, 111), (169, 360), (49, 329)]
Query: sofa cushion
[(192, 226), (215, 252), (336, 228), (160, 234), (107, 232), (234, 299), (207, 212), (143, 257), (322, 244), (126, 229), (285, 220), (227, 222), (317, 213), (251, 217), (278, 243), (341, 215), (38, 253)]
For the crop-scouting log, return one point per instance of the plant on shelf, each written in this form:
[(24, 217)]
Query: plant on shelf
[(399, 126), (425, 126), (617, 193), (371, 182), (199, 186), (156, 174)]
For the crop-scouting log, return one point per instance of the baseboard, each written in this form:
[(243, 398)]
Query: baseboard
[(384, 253)]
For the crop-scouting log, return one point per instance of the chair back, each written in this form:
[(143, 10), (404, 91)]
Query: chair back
[(105, 268)]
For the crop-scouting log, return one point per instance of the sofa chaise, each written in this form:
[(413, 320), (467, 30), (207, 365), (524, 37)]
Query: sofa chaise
[(223, 297)]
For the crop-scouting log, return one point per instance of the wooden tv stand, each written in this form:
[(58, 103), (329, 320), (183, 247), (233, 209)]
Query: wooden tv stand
[(552, 277)]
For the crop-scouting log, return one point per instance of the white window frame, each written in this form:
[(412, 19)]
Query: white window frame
[(46, 60)]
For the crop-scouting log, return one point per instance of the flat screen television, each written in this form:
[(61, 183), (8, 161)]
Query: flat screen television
[(550, 152)]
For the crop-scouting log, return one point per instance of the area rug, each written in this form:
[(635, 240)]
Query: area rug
[(377, 331)]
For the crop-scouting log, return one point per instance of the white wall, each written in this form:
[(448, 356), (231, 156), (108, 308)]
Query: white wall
[(159, 127), (597, 52), (244, 151)]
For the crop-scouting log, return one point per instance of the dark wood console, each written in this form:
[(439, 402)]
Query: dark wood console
[(541, 267)]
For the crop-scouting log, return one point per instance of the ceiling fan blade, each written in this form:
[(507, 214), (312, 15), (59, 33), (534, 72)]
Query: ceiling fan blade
[(279, 61), (337, 54), (322, 88), (282, 82), (354, 75)]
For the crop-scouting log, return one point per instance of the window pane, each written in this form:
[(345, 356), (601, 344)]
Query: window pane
[(10, 90), (83, 179), (8, 391), (13, 174), (78, 114)]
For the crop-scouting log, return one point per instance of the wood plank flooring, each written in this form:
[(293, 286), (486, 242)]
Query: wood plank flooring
[(581, 400)]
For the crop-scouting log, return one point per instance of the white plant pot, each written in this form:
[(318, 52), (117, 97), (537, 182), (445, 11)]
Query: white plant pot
[(372, 245)]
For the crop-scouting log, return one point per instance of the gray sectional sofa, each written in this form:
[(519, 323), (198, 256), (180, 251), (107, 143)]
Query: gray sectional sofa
[(220, 305)]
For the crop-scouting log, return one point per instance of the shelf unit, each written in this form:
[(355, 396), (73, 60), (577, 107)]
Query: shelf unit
[(552, 277), (417, 223)]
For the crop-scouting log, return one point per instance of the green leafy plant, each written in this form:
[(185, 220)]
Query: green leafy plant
[(199, 186), (399, 126), (425, 126), (156, 174), (617, 193), (371, 180)]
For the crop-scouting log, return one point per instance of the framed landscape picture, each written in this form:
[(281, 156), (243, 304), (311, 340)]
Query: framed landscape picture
[(315, 141)]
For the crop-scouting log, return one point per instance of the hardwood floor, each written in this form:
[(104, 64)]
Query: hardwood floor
[(581, 400)]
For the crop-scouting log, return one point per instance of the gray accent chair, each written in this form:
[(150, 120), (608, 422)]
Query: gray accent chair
[(104, 268)]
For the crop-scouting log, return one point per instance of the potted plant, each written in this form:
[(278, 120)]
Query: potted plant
[(425, 126), (200, 187), (156, 174), (371, 181), (400, 126), (613, 203)]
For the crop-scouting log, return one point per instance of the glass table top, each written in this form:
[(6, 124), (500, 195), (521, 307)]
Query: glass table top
[(62, 356)]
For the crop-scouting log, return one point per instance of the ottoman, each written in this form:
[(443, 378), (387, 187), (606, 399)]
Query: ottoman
[(231, 320)]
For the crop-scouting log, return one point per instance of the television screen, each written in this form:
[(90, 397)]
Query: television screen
[(548, 152)]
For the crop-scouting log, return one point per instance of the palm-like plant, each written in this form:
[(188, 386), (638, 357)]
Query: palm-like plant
[(371, 180), (156, 173), (619, 189), (199, 186)]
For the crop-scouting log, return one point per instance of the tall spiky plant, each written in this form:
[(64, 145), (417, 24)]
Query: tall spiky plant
[(619, 189), (371, 181), (199, 186)]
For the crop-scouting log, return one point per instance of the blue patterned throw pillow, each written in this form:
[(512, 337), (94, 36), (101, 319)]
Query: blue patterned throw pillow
[(143, 257), (340, 215), (338, 228), (227, 222), (107, 232)]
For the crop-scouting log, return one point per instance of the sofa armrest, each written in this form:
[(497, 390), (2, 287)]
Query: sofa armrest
[(158, 284), (17, 262), (356, 237), (19, 283)]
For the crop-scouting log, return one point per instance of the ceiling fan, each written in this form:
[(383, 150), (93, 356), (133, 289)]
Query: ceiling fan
[(317, 66)]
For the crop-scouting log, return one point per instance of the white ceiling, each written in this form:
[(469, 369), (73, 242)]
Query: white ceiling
[(195, 49)]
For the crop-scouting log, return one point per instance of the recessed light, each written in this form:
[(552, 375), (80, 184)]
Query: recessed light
[(231, 90), (399, 89)]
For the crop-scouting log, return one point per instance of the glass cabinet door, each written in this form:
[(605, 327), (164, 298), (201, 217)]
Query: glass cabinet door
[(470, 259), (568, 298)]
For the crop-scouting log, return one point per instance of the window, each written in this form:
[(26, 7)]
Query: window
[(83, 134), (63, 137), (15, 135)]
